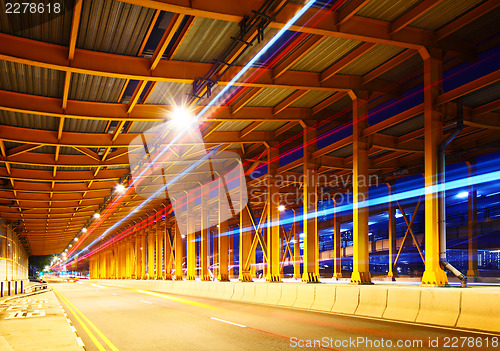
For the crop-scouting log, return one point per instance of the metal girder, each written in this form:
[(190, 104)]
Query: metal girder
[(22, 135), (62, 176), (40, 54), (355, 28), (45, 106)]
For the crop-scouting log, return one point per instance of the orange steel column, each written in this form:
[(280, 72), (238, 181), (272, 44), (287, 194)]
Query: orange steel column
[(337, 264), (273, 226), (296, 247), (472, 270), (391, 209), (179, 252), (231, 256), (360, 266), (167, 253), (191, 242), (143, 255), (433, 273), (151, 252), (215, 254), (159, 250), (310, 205), (204, 239), (137, 243), (223, 235), (245, 254)]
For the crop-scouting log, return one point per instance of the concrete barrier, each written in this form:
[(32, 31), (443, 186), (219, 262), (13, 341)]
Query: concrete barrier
[(288, 294), (372, 301), (346, 299), (228, 290), (439, 306), (305, 296), (402, 304), (238, 291), (212, 289), (260, 292), (248, 292), (324, 298), (202, 290), (480, 309), (273, 294)]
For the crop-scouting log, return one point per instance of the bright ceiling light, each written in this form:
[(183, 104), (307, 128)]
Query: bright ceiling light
[(84, 230), (75, 239), (463, 194), (181, 117), (119, 188), (97, 215), (281, 208)]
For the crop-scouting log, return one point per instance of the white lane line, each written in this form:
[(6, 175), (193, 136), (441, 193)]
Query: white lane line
[(223, 321), (67, 320), (146, 301), (98, 286), (114, 294), (73, 328), (80, 342)]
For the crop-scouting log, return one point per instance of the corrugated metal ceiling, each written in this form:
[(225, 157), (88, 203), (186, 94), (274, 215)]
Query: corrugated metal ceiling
[(443, 13), (50, 28), (371, 59), (387, 10), (269, 126), (236, 126), (32, 80), (113, 26), (166, 93), (25, 120), (206, 40), (84, 125), (270, 97), (95, 88), (312, 98), (325, 54)]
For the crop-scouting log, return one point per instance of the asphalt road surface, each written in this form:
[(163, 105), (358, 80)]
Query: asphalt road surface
[(110, 318)]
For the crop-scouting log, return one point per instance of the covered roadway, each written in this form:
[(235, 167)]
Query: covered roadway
[(246, 159)]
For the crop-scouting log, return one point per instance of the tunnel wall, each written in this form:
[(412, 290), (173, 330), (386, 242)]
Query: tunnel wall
[(471, 308), (13, 258)]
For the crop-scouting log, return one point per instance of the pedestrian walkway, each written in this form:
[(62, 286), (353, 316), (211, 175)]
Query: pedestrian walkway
[(36, 322)]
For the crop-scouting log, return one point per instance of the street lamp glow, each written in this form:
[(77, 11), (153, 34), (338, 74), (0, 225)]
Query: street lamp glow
[(119, 188), (97, 215), (75, 239), (84, 230), (281, 208)]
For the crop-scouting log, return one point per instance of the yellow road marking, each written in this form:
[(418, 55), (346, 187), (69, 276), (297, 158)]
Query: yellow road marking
[(101, 335), (87, 330)]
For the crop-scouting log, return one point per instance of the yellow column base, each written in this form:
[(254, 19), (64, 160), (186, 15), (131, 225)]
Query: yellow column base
[(191, 277), (435, 277), (337, 275), (206, 277), (273, 278), (310, 277), (245, 277), (178, 277), (473, 273), (361, 278), (223, 277)]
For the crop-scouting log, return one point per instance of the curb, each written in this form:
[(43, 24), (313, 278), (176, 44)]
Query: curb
[(26, 295)]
